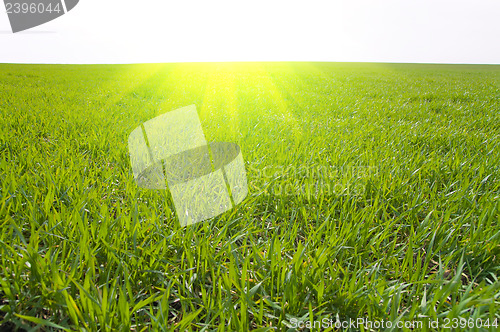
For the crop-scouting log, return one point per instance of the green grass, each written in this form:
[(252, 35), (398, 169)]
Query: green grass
[(410, 231)]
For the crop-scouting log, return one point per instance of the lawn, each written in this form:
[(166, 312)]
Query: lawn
[(374, 194)]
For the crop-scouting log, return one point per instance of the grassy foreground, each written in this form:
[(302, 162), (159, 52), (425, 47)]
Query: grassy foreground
[(404, 225)]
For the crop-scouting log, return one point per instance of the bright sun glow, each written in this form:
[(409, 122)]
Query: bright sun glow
[(318, 30)]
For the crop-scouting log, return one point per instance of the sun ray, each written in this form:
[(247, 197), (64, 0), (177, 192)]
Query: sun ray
[(282, 110), (220, 101)]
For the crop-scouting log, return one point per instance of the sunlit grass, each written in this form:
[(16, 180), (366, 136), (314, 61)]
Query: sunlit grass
[(409, 231)]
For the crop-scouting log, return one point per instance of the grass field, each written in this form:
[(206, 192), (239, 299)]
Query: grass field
[(403, 227)]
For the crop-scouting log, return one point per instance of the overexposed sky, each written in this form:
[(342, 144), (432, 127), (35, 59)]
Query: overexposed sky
[(126, 31)]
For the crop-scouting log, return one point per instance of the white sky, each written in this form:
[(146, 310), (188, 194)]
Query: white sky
[(126, 31)]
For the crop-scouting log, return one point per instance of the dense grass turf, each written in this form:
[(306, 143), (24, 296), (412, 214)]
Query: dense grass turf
[(374, 194)]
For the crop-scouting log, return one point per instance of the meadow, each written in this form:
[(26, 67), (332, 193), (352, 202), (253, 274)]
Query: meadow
[(403, 226)]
